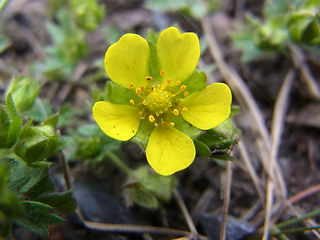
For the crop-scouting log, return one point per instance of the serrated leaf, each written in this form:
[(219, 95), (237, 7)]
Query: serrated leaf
[(14, 131), (37, 216), (63, 202)]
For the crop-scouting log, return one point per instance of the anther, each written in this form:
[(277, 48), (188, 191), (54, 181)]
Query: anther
[(184, 109), (138, 90), (140, 113), (131, 102), (131, 85), (169, 81), (142, 87), (176, 112), (162, 73), (171, 124), (148, 78), (163, 124), (183, 87), (186, 93), (178, 83), (151, 119)]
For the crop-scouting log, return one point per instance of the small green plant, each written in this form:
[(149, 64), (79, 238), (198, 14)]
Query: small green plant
[(283, 21), (27, 196)]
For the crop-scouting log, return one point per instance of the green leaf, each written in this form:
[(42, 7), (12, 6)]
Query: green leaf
[(115, 90), (201, 148), (10, 106), (216, 140), (140, 195), (43, 186), (18, 184), (159, 186), (4, 127), (154, 70), (143, 134), (187, 128), (222, 157), (52, 120), (14, 131), (311, 34), (63, 202), (18, 173), (37, 143), (23, 91), (196, 82), (37, 216)]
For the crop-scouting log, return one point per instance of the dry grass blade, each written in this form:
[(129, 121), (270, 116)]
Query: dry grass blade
[(226, 201), (255, 179), (186, 214), (305, 73), (279, 112)]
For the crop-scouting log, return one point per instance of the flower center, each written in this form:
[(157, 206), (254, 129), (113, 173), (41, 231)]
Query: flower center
[(160, 103), (159, 100)]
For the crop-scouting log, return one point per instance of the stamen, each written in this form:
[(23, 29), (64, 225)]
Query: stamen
[(171, 124), (131, 102), (142, 88), (148, 78), (140, 113), (138, 90), (131, 85), (151, 119), (176, 112), (178, 83), (184, 109), (163, 124), (169, 81), (183, 87), (186, 93), (162, 73)]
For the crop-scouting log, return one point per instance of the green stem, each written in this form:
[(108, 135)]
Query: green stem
[(298, 219), (117, 161)]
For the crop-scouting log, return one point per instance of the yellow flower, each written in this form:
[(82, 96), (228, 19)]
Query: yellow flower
[(162, 98)]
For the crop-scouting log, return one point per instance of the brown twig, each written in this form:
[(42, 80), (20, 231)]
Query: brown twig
[(226, 201), (279, 113), (185, 212), (299, 61)]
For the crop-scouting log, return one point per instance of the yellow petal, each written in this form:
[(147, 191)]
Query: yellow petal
[(169, 150), (178, 54), (120, 122), (126, 61), (209, 107)]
